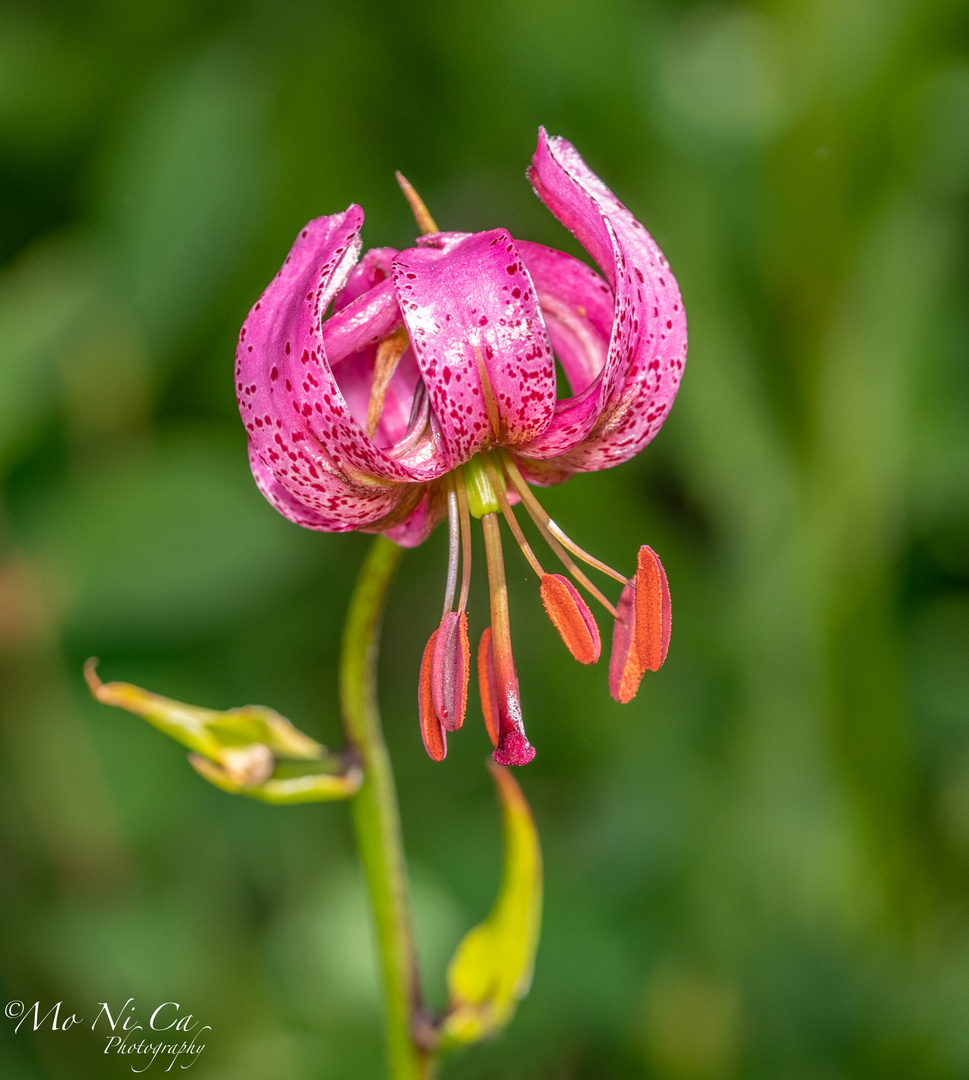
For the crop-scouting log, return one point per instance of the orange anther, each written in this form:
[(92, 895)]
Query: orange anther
[(450, 669), (652, 609), (625, 668), (432, 730), (487, 685), (571, 617)]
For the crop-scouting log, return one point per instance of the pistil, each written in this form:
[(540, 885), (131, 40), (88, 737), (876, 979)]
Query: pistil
[(498, 487), (464, 515), (513, 746), (563, 605)]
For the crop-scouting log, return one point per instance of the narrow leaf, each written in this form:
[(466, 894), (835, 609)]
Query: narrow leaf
[(492, 968)]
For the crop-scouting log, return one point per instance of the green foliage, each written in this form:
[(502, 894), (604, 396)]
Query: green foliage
[(757, 868)]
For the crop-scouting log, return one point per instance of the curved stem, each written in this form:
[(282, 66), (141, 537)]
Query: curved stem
[(375, 815)]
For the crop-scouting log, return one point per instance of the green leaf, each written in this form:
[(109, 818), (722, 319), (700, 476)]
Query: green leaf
[(491, 971), (247, 751)]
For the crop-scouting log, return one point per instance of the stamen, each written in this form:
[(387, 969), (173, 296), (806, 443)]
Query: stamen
[(568, 611), (652, 609), (625, 669), (498, 486), (487, 686), (535, 507), (571, 617), (538, 516), (421, 215), (454, 528), (389, 352), (450, 669), (432, 731), (465, 516), (513, 746)]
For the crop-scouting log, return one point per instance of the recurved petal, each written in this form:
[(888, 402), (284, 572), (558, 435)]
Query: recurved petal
[(298, 420), (332, 504), (577, 307), (419, 522), (364, 321), (480, 341), (647, 349), (373, 268)]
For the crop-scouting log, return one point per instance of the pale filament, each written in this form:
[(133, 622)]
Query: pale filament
[(465, 516), (540, 518), (453, 546), (535, 508)]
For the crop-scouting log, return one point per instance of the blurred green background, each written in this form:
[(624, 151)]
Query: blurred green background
[(757, 869)]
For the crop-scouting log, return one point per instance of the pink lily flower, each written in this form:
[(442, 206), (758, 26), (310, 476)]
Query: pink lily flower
[(429, 391)]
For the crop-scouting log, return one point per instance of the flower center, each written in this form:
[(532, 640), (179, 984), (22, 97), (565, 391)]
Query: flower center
[(479, 488)]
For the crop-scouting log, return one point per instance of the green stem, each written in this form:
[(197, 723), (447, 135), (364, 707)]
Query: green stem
[(375, 815)]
